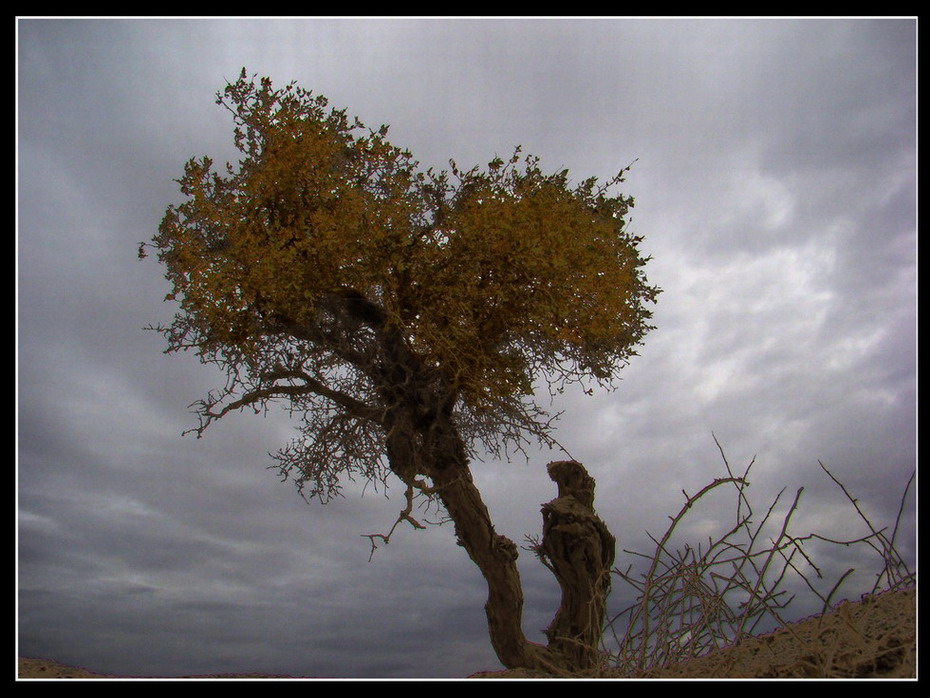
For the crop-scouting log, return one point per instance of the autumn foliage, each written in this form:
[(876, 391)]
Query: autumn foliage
[(405, 316)]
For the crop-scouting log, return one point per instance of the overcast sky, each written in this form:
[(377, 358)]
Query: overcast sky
[(775, 186)]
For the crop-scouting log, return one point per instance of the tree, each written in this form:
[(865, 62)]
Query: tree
[(404, 317)]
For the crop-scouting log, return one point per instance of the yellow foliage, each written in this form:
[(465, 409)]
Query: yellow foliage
[(493, 275)]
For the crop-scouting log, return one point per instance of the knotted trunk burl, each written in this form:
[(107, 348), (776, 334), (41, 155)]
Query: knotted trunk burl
[(579, 550), (576, 546)]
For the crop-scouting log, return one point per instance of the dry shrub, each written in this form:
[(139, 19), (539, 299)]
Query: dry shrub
[(692, 601)]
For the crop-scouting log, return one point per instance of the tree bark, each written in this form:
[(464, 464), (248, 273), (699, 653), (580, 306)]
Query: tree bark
[(422, 439), (579, 550), (576, 546)]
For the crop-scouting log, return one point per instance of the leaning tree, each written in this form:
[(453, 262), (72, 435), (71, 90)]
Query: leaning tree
[(404, 316)]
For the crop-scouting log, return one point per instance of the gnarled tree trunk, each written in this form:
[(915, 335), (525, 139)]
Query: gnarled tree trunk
[(576, 546), (579, 550), (422, 439)]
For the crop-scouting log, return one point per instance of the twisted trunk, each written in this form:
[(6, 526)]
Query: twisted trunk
[(576, 546), (422, 440), (579, 550)]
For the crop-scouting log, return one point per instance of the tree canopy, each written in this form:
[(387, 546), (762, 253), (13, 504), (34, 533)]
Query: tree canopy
[(406, 317), (291, 266)]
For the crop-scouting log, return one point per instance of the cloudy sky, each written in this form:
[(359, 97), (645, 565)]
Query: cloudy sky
[(775, 184)]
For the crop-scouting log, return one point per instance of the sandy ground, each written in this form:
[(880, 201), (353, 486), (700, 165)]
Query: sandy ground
[(873, 638), (30, 668)]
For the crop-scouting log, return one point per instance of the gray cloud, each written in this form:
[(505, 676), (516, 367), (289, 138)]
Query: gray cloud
[(775, 188)]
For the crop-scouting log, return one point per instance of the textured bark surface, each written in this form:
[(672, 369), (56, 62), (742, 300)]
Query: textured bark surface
[(576, 546), (579, 550), (496, 557)]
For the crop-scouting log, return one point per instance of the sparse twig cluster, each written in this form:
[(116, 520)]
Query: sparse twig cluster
[(692, 601)]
